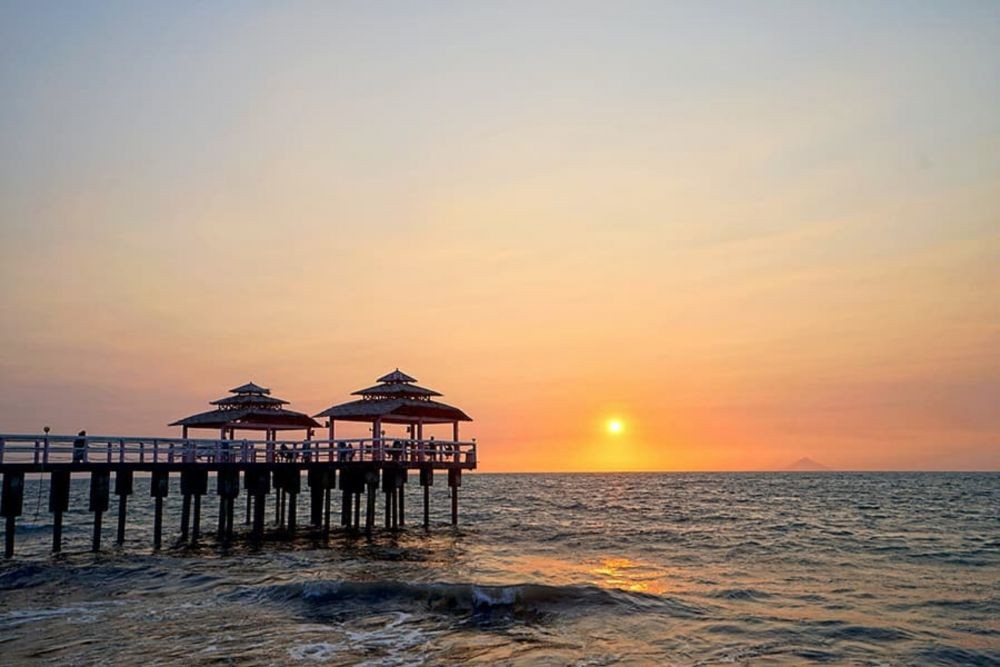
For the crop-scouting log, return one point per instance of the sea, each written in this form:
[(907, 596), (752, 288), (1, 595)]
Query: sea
[(546, 569)]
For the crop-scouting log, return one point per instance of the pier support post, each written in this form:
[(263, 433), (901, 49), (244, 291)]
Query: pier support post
[(454, 481), (293, 485), (389, 488), (228, 490), (58, 503), (159, 487), (317, 488), (371, 484), (189, 482), (426, 482), (402, 476), (346, 488), (258, 485), (123, 489), (279, 497), (200, 482), (100, 482), (11, 504)]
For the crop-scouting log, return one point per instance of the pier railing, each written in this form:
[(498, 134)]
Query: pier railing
[(62, 449)]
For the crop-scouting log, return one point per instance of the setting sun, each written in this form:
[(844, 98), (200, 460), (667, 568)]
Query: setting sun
[(615, 426)]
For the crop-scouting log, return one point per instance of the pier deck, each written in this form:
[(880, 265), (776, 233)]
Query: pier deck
[(357, 466)]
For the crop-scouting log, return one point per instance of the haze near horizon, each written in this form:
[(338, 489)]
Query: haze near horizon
[(746, 234)]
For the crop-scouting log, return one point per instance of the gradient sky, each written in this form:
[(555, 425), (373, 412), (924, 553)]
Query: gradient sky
[(752, 231)]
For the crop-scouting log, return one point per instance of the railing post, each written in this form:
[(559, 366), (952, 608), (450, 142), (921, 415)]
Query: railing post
[(38, 450), (121, 451), (45, 450), (3, 443), (156, 451), (109, 451), (142, 452)]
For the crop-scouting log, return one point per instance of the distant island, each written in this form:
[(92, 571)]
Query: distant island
[(807, 464)]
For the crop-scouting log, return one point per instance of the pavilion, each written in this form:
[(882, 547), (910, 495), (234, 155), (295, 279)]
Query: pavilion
[(397, 399), (250, 408)]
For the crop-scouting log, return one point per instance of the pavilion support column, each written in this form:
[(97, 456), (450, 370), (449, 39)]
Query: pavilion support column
[(426, 482), (123, 489), (454, 481), (11, 505), (159, 487), (58, 503)]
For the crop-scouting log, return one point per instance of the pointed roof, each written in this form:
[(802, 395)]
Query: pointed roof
[(396, 376), (250, 407), (250, 388), (396, 400)]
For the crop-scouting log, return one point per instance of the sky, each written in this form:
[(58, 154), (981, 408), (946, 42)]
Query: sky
[(748, 231)]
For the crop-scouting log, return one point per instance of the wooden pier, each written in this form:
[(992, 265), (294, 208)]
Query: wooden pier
[(358, 467)]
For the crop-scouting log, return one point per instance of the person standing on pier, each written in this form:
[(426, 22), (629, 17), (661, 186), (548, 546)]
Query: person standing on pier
[(80, 447)]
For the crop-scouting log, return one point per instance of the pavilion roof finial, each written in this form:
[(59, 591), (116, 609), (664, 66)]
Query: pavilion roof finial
[(250, 388), (397, 376)]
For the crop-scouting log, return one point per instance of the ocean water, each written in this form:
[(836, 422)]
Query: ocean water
[(691, 569)]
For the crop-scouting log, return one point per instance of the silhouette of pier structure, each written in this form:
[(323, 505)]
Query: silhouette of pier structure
[(358, 467)]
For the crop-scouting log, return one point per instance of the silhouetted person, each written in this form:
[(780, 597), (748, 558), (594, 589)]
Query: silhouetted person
[(80, 447)]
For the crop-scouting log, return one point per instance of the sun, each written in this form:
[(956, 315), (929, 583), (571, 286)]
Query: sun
[(615, 426)]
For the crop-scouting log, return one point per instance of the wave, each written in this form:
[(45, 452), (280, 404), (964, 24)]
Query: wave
[(465, 597)]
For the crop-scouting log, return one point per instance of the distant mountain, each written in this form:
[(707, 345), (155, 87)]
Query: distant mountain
[(806, 463)]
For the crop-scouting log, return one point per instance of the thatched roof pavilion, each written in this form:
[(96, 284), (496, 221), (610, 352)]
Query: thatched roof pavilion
[(249, 408), (397, 399)]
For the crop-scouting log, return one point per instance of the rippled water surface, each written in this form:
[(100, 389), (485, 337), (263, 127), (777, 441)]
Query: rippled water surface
[(549, 569)]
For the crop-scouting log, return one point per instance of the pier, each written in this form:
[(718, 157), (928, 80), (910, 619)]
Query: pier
[(260, 467)]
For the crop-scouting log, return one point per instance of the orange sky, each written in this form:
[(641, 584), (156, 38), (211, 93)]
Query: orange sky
[(748, 249)]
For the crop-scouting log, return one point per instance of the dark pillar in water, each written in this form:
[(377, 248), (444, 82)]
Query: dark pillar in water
[(279, 497), (189, 483), (427, 481), (454, 481), (228, 490), (371, 483), (258, 485), (317, 486), (246, 520), (58, 503), (389, 488), (159, 488), (100, 487), (11, 504), (293, 484), (402, 476), (123, 489), (347, 490), (199, 480)]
